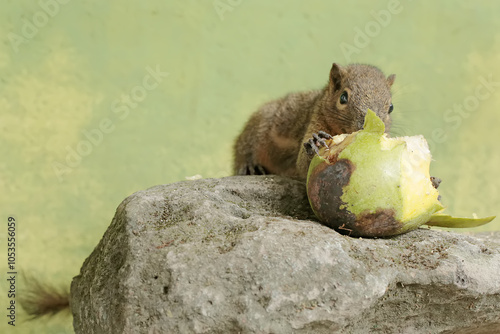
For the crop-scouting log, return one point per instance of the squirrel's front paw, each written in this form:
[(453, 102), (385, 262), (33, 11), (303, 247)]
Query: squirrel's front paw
[(312, 145)]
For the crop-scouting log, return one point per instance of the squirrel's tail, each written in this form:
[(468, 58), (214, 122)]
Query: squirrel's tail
[(40, 299)]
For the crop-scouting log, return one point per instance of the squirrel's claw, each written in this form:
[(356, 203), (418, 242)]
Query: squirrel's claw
[(324, 135), (435, 181), (252, 170), (313, 144), (259, 170), (311, 147)]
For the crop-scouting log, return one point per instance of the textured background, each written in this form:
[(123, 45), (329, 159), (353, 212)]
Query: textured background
[(68, 66)]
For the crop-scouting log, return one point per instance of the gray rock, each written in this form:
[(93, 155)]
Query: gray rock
[(245, 255)]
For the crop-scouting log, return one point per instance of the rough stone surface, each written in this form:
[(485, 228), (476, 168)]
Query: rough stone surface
[(245, 255)]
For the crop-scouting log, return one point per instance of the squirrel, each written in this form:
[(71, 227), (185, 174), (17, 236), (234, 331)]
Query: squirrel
[(283, 135)]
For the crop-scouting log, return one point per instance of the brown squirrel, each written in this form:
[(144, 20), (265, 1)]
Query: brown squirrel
[(281, 137)]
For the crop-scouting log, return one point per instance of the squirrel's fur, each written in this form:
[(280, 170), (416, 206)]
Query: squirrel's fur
[(272, 140)]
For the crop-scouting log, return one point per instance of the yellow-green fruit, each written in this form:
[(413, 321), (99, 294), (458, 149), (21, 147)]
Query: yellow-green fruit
[(367, 184)]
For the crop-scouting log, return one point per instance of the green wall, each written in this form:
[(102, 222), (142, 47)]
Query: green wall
[(74, 70)]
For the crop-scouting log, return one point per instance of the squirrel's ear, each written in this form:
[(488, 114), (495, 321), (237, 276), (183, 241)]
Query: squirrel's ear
[(390, 79), (336, 74)]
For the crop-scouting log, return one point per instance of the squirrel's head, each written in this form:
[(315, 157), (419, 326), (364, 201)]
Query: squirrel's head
[(354, 89)]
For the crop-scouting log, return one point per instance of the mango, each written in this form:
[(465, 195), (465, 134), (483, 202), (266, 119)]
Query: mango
[(367, 184)]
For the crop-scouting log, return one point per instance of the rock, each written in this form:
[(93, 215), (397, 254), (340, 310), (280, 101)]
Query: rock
[(245, 255)]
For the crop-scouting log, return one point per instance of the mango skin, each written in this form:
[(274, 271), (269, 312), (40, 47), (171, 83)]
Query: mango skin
[(325, 189)]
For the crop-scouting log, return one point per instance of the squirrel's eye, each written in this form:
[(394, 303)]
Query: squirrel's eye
[(343, 98), (391, 108)]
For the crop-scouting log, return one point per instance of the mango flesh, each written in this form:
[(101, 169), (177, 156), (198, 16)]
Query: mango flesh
[(367, 184)]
